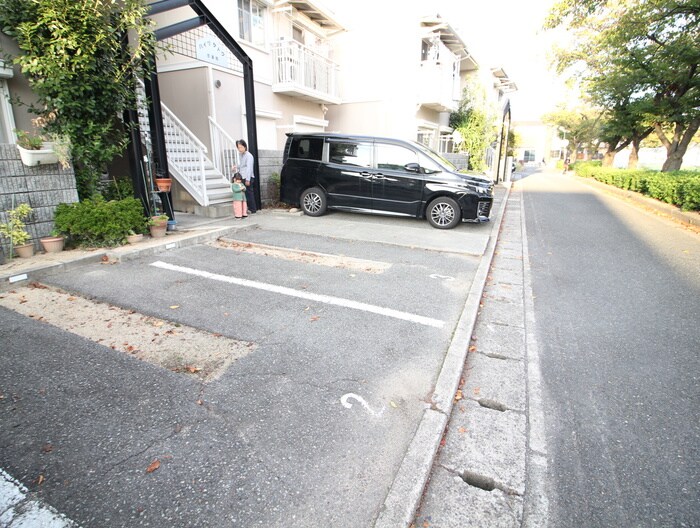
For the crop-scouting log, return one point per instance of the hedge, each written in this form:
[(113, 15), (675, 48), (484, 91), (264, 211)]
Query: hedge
[(681, 188)]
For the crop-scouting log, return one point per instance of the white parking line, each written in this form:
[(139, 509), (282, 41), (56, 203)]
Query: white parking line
[(326, 299)]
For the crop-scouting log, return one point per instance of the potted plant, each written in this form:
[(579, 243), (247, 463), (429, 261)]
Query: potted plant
[(158, 225), (134, 237), (34, 150), (16, 231), (53, 243)]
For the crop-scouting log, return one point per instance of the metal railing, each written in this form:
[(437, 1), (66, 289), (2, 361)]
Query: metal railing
[(224, 152), (295, 64), (187, 158)]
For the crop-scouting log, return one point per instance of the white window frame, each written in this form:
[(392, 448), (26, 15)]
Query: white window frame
[(7, 117), (261, 33)]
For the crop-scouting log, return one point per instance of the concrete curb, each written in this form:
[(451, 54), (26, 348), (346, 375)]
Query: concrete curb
[(123, 253), (406, 492)]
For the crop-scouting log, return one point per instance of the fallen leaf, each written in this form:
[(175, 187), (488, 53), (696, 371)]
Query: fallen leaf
[(158, 323), (393, 404), (175, 307), (458, 395), (315, 318), (71, 299), (199, 402), (472, 348), (462, 430), (154, 465), (192, 369), (47, 448), (105, 258), (40, 480), (477, 390)]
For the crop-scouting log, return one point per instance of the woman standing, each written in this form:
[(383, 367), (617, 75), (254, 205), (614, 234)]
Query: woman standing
[(246, 170)]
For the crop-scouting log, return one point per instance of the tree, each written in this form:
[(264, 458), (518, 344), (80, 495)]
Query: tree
[(75, 56), (476, 124), (639, 60), (581, 127)]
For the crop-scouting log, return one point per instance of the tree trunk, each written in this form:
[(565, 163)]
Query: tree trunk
[(634, 156), (608, 158), (676, 149)]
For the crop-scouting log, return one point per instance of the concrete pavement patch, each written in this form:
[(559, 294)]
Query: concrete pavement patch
[(495, 380)]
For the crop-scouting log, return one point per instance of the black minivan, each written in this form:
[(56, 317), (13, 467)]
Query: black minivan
[(382, 176)]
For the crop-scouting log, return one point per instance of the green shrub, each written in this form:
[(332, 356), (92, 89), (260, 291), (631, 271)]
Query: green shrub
[(116, 189), (96, 222), (681, 188)]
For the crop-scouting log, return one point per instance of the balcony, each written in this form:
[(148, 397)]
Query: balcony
[(300, 72), (439, 87)]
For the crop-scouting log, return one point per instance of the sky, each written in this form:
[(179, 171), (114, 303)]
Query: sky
[(508, 34)]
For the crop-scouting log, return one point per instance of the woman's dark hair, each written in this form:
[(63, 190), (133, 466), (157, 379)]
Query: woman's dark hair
[(242, 142)]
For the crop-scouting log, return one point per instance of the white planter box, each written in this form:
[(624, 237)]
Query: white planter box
[(32, 158)]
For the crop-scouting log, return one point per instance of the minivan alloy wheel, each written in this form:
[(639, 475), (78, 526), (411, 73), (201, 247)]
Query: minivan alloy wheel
[(444, 213), (313, 201)]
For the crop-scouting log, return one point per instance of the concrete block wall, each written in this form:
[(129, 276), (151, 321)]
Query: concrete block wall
[(269, 163), (461, 161), (42, 187)]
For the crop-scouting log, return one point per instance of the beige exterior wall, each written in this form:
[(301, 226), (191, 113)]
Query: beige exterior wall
[(18, 87)]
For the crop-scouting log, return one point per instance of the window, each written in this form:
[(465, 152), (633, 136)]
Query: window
[(528, 155), (425, 137), (307, 148), (251, 21), (394, 157), (350, 153)]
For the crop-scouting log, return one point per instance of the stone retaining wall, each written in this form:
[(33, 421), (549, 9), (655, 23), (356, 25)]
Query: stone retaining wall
[(42, 187)]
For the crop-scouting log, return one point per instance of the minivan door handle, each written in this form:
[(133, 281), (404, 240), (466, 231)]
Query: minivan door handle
[(367, 175)]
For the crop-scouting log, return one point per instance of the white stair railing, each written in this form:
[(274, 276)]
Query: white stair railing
[(187, 155), (224, 152)]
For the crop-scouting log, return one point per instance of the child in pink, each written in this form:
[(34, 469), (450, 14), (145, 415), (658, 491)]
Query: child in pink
[(240, 209)]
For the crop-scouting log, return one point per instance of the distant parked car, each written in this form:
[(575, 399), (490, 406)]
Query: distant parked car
[(380, 175)]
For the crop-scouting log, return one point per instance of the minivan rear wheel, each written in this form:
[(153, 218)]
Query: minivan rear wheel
[(443, 213), (313, 201)]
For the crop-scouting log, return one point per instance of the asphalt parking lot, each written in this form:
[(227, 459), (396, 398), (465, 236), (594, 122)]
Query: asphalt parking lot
[(349, 318)]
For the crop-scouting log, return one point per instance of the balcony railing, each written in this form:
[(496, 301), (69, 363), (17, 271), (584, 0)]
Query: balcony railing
[(301, 72), (439, 86)]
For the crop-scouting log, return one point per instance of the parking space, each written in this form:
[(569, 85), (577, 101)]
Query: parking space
[(349, 329)]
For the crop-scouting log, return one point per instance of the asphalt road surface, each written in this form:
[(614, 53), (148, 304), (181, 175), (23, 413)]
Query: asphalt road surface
[(617, 304)]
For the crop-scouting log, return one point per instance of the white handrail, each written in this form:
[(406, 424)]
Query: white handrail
[(225, 153)]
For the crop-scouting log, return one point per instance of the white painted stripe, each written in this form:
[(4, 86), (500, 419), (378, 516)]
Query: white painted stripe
[(326, 299)]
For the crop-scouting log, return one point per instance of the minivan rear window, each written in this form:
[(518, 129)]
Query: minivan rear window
[(306, 148)]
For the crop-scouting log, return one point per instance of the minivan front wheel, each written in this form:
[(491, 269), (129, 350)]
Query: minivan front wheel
[(313, 201), (443, 213)]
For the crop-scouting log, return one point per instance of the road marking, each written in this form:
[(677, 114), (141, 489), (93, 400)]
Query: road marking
[(17, 509), (444, 277), (326, 299), (350, 395)]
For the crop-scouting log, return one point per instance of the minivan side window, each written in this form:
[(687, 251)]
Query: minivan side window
[(350, 153), (394, 157), (306, 148)]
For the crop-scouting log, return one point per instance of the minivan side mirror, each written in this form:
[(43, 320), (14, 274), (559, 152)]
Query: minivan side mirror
[(412, 167)]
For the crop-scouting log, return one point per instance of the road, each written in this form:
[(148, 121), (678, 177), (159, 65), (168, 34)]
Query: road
[(617, 305)]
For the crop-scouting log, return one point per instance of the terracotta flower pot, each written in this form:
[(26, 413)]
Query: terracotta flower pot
[(164, 184), (25, 250), (158, 230), (133, 239), (52, 244)]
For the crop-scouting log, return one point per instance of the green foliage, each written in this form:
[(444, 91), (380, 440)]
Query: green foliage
[(28, 141), (681, 188), (475, 122), (15, 228), (638, 60), (73, 58), (116, 189), (96, 222)]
